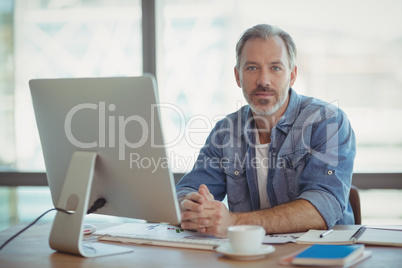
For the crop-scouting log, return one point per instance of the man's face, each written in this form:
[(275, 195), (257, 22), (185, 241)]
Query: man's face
[(264, 75)]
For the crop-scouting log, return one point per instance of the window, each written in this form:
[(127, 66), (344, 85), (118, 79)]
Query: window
[(66, 39), (349, 54), (7, 140), (49, 39), (353, 62)]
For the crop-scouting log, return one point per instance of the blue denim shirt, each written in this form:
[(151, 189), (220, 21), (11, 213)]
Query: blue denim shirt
[(311, 157)]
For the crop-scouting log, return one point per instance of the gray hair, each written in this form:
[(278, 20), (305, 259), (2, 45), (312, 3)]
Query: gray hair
[(265, 31)]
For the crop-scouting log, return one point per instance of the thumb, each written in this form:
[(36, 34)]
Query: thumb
[(204, 191)]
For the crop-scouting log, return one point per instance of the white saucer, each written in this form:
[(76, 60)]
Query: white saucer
[(226, 249), (89, 229)]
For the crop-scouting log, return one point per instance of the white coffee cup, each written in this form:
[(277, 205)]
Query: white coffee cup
[(246, 238)]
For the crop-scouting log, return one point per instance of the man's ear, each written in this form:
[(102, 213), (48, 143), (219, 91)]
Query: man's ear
[(293, 76), (237, 75)]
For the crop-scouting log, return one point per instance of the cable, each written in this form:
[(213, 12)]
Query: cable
[(23, 230), (100, 202)]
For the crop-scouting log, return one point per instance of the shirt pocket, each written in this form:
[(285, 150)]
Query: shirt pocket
[(237, 188), (293, 166)]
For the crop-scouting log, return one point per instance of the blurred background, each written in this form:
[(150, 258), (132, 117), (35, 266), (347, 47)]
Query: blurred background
[(349, 54)]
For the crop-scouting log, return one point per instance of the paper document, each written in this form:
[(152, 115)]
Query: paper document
[(159, 234), (174, 236), (367, 236), (281, 238), (386, 227)]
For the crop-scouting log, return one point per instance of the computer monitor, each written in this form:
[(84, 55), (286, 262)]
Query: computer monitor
[(102, 138)]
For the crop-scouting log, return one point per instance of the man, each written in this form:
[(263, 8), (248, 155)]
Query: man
[(285, 161)]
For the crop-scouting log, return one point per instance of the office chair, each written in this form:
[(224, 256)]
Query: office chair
[(354, 200)]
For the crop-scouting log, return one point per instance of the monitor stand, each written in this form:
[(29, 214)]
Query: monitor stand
[(67, 231)]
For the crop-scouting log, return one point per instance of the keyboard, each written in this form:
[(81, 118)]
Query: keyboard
[(159, 235)]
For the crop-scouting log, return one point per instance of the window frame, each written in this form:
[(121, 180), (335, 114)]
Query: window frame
[(15, 178)]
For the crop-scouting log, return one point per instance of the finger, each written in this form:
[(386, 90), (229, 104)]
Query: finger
[(203, 230), (191, 211), (211, 205), (205, 217), (196, 197), (190, 205), (212, 231), (192, 216), (204, 191), (196, 224), (189, 225)]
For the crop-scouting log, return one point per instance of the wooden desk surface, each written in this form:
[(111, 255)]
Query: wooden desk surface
[(31, 249)]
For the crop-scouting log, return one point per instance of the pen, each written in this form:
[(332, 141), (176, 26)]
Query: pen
[(326, 233), (356, 235)]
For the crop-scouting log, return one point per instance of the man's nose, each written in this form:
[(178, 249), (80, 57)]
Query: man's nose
[(264, 79)]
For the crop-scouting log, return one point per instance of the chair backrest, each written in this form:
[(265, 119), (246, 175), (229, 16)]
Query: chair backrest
[(354, 200)]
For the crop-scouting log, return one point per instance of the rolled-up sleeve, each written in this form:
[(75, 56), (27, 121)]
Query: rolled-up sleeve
[(207, 170), (325, 182)]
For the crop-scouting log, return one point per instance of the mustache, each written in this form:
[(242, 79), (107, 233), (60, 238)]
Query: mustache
[(264, 89)]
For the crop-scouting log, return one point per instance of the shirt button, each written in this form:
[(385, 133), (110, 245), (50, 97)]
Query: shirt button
[(236, 173), (330, 172)]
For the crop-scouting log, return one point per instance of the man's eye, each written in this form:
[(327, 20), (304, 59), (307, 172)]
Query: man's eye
[(276, 68), (251, 68)]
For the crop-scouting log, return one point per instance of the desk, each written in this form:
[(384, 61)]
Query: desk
[(31, 249)]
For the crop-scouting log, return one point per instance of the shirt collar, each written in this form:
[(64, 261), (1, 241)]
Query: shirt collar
[(287, 120), (289, 117)]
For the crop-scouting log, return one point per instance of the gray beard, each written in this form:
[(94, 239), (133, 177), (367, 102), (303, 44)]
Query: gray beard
[(260, 111)]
